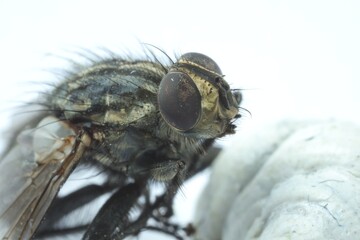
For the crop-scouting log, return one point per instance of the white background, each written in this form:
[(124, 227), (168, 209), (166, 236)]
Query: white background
[(296, 59)]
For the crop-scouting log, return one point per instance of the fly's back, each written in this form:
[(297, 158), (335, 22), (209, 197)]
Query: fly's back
[(111, 93)]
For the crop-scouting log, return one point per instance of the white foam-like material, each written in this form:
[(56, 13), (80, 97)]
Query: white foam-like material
[(288, 181)]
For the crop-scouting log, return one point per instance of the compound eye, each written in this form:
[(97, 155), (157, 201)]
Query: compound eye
[(201, 60), (179, 101)]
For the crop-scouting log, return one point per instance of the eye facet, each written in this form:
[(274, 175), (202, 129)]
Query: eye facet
[(201, 60), (179, 101)]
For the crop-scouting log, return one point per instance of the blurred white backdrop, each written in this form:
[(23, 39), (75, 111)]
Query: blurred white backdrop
[(295, 59)]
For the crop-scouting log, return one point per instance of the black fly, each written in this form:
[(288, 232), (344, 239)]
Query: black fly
[(138, 121)]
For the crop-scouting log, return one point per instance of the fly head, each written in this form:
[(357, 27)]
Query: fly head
[(195, 100)]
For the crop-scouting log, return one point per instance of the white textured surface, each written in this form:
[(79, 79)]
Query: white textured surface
[(291, 181)]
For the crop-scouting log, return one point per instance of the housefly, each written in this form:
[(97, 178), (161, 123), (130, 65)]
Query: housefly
[(137, 121)]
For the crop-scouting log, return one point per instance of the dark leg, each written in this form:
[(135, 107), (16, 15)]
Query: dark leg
[(112, 221), (63, 206), (156, 164)]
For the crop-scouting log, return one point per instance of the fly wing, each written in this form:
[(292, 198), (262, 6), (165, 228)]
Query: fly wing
[(32, 172)]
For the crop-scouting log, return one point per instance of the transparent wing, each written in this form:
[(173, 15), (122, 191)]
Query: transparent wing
[(32, 172)]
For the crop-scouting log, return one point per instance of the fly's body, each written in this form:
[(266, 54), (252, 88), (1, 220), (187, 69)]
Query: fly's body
[(117, 103), (135, 120)]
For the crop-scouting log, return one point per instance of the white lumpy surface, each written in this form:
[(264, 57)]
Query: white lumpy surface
[(289, 181)]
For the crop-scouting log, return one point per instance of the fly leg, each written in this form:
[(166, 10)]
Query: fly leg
[(159, 164), (64, 205), (112, 220)]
